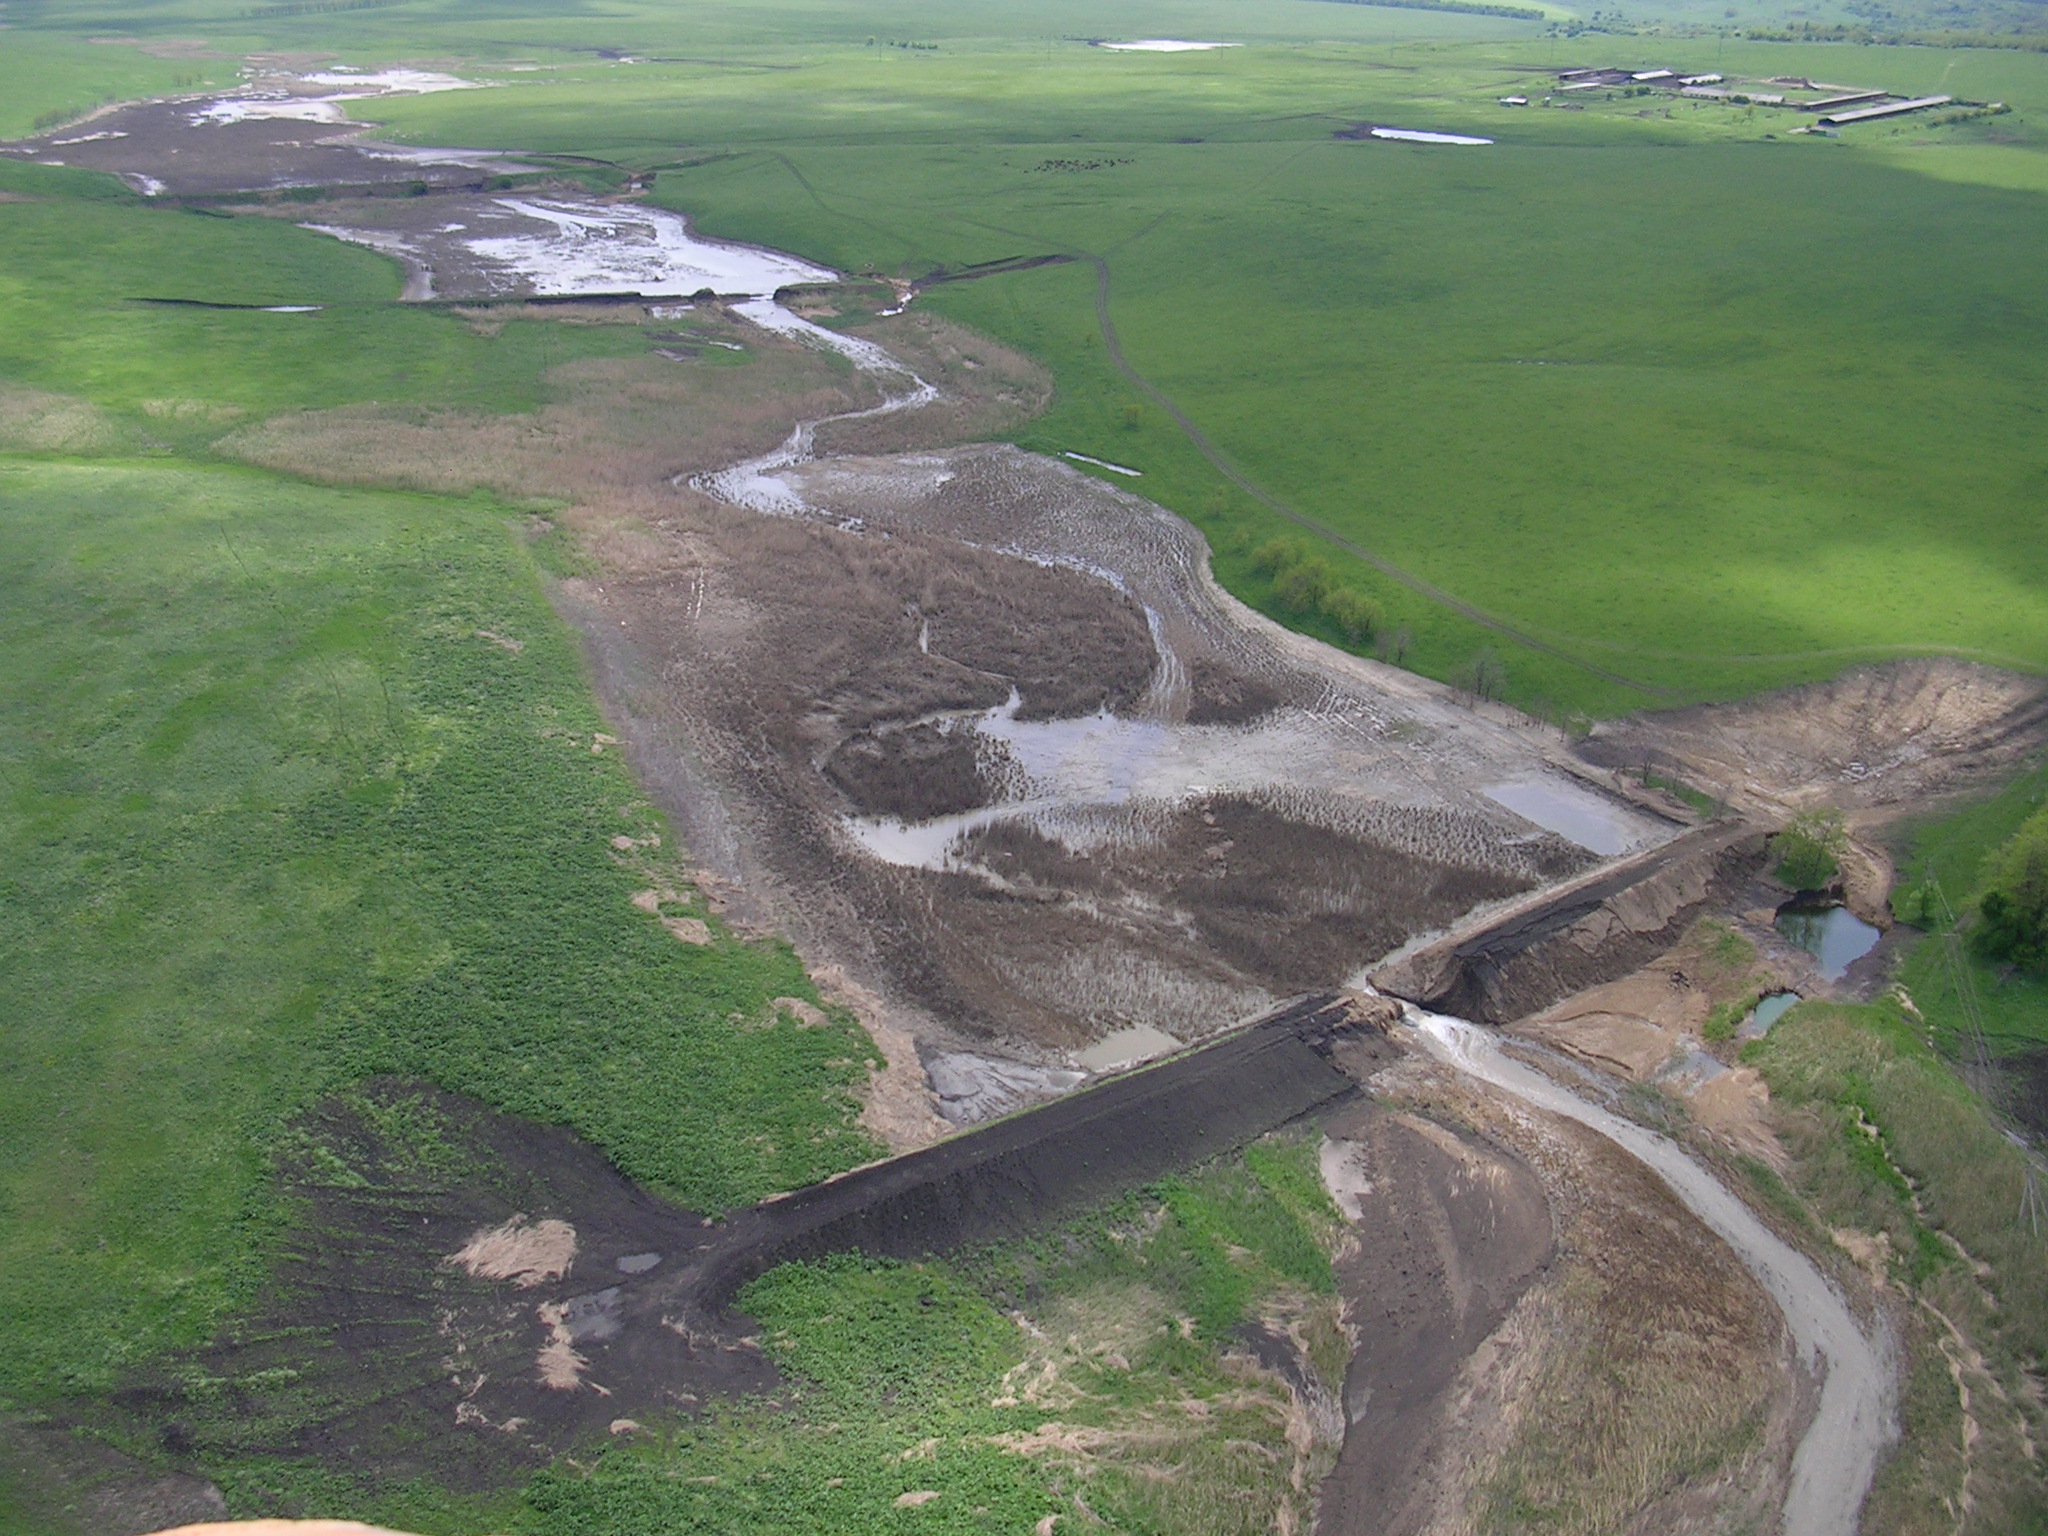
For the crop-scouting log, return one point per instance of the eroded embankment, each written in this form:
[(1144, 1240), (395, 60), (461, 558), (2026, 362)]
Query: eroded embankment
[(1515, 962)]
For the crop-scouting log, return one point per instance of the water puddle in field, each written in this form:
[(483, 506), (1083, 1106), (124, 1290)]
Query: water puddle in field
[(1117, 469), (1126, 1048), (1766, 1013), (1422, 136), (1578, 815), (1164, 45), (1831, 933), (562, 247)]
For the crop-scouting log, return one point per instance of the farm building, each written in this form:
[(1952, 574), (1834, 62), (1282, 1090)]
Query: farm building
[(1890, 109)]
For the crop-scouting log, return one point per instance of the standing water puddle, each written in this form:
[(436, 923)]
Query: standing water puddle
[(1126, 1048), (1560, 806), (1832, 934), (1766, 1013)]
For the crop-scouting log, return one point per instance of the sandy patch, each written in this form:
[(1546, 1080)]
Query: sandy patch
[(1732, 1105), (898, 1105), (1633, 1047), (527, 1255), (688, 930)]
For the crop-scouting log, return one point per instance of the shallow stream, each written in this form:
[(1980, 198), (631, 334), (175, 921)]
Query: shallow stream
[(1857, 1416)]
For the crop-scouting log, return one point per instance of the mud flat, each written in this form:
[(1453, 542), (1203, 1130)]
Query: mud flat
[(278, 132), (977, 730), (1017, 765)]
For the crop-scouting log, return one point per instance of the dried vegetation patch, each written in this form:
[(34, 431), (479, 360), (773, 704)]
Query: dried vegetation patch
[(37, 421)]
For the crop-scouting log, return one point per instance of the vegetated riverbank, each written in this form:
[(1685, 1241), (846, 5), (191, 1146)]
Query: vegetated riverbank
[(1847, 1132)]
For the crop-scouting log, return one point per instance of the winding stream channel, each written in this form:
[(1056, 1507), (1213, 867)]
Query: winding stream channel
[(1857, 1416)]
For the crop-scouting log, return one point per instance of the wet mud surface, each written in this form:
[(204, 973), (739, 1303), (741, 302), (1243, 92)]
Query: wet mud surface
[(1451, 1230), (172, 148), (1018, 767)]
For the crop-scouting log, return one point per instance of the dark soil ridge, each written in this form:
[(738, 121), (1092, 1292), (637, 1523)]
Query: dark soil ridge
[(1514, 963), (377, 1352), (1018, 1175)]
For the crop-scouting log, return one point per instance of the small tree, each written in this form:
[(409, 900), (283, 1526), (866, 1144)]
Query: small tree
[(1400, 643), (1276, 555), (1301, 586), (1355, 614), (1133, 416), (1487, 675), (1808, 851), (2012, 915)]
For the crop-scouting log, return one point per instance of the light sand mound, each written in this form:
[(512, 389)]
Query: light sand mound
[(281, 1528), (525, 1255)]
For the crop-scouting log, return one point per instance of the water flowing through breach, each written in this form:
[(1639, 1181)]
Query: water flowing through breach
[(1857, 1417)]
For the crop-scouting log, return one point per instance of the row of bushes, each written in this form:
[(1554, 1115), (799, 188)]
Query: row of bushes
[(1306, 587)]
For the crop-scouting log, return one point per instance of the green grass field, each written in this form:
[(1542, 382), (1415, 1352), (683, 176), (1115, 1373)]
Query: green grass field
[(1708, 412), (1689, 407), (278, 814)]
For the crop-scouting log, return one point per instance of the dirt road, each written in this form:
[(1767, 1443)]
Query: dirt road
[(1857, 1418)]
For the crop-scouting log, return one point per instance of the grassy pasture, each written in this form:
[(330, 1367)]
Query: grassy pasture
[(1709, 412), (278, 814)]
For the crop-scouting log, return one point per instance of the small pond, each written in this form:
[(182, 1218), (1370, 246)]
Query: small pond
[(1830, 933)]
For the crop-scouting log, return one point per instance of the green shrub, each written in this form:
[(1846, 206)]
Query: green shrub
[(1357, 615), (1808, 850), (2013, 912), (1304, 584)]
